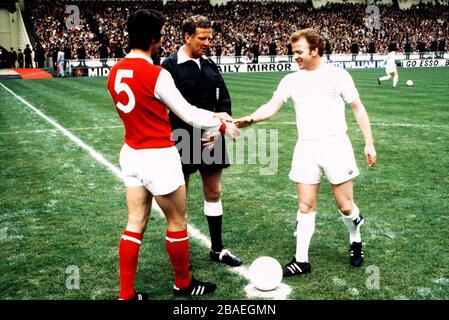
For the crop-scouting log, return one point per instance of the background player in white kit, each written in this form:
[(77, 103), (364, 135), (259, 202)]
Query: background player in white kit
[(60, 61), (390, 69), (319, 92)]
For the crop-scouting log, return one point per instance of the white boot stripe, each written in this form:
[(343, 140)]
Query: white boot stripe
[(297, 267), (198, 290), (294, 268)]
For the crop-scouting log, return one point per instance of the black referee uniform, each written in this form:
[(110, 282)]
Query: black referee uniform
[(205, 89)]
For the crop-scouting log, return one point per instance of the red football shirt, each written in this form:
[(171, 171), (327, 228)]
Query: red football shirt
[(131, 83)]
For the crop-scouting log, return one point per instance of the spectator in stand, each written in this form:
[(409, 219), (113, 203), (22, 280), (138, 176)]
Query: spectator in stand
[(20, 58), (407, 49), (272, 50), (3, 58), (289, 52), (39, 56), (54, 51), (218, 53), (238, 50), (81, 54), (441, 48), (422, 49), (118, 51), (354, 50), (28, 60), (12, 57), (103, 52), (256, 52), (392, 46), (328, 50), (372, 50), (344, 23), (67, 55)]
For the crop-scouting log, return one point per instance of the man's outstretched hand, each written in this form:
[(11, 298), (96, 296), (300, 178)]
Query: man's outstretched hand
[(243, 122)]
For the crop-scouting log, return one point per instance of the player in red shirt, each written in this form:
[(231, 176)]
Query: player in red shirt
[(150, 164)]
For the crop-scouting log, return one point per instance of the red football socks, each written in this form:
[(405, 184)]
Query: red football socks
[(129, 255), (177, 243)]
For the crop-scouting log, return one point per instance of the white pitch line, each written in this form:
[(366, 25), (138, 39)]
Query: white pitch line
[(97, 156), (28, 132), (407, 125), (55, 130), (281, 293), (411, 125)]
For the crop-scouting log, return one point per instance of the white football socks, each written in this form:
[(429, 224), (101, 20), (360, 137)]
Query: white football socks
[(304, 233), (354, 231), (395, 81)]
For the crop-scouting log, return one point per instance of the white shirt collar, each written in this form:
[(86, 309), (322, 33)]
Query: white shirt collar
[(183, 57), (135, 55)]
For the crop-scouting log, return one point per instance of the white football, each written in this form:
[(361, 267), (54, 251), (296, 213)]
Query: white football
[(409, 83), (265, 273)]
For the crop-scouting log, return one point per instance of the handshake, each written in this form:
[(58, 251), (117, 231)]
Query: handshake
[(231, 128)]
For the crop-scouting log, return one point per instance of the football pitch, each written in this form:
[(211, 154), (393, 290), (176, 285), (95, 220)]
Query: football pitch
[(62, 210)]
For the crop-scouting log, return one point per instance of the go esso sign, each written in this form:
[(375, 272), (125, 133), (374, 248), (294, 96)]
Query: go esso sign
[(425, 63)]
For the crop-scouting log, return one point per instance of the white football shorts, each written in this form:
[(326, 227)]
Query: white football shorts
[(158, 169), (332, 156), (391, 69)]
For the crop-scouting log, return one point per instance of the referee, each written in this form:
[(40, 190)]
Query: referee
[(199, 81)]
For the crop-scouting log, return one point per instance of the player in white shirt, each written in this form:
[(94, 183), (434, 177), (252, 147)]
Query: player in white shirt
[(60, 61), (319, 92), (390, 69)]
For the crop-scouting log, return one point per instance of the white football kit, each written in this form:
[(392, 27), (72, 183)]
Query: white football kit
[(390, 62), (60, 61), (319, 98)]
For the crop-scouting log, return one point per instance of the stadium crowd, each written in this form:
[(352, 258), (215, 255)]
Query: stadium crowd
[(249, 28)]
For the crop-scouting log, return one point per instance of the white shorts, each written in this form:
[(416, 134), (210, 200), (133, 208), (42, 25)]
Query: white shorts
[(332, 156), (158, 169), (390, 70)]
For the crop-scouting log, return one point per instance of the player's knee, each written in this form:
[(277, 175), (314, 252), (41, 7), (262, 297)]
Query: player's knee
[(307, 207), (177, 223), (213, 194), (138, 222), (345, 208)]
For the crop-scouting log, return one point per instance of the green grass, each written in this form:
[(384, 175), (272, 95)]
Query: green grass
[(59, 207)]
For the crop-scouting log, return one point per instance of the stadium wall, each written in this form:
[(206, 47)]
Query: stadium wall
[(12, 29), (97, 68), (22, 34)]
